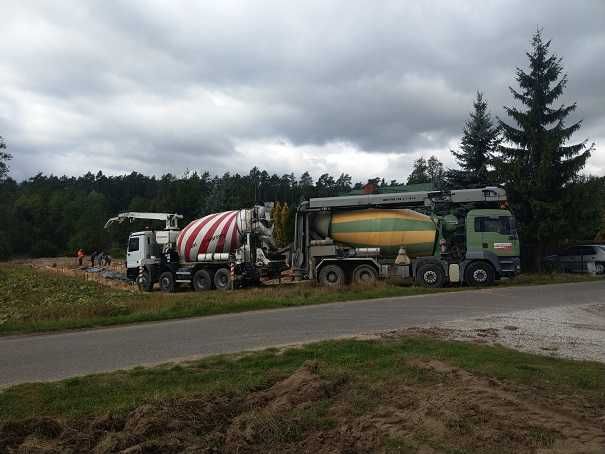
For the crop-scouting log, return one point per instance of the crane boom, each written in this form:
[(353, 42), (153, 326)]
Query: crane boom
[(171, 219), (420, 198)]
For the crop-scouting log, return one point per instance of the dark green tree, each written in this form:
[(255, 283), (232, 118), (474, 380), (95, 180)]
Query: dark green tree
[(4, 158), (537, 163), (480, 141), (435, 171), (420, 172)]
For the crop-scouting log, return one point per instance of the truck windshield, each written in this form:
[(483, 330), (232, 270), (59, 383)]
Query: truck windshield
[(133, 244), (504, 225)]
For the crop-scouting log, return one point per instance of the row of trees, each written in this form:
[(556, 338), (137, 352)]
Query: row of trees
[(47, 215), (530, 154)]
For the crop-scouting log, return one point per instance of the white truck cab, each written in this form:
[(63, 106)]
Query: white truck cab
[(146, 247)]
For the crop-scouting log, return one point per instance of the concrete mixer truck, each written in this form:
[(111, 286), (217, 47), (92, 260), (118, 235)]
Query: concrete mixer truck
[(219, 250), (434, 237)]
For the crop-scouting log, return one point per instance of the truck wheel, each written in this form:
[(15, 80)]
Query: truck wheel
[(430, 275), (332, 276), (167, 282), (479, 274), (144, 281), (222, 279), (364, 275), (202, 281)]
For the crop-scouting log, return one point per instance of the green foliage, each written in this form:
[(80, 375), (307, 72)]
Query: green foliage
[(44, 248), (480, 140), (419, 172), (4, 158), (537, 163), (424, 171), (5, 251), (70, 212)]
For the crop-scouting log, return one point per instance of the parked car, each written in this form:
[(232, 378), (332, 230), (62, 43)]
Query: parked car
[(584, 258)]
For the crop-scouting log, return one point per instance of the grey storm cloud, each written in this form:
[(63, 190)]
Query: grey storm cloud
[(166, 86)]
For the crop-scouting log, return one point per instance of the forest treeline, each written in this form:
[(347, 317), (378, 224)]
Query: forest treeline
[(49, 215), (530, 153)]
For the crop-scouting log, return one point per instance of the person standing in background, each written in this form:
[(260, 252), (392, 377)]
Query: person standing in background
[(80, 254)]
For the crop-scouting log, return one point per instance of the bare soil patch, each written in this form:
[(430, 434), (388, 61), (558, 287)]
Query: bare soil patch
[(447, 409)]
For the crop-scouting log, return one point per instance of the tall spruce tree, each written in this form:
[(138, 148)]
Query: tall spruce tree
[(537, 163), (480, 141)]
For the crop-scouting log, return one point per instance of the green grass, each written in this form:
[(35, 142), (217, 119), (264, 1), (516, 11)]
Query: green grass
[(367, 366), (32, 300)]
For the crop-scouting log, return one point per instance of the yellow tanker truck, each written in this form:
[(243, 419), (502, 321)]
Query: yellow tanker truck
[(434, 237)]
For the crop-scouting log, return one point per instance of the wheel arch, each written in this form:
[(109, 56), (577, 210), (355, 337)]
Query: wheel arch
[(421, 261), (486, 256)]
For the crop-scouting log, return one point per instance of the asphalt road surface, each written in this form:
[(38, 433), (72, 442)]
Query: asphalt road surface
[(54, 356)]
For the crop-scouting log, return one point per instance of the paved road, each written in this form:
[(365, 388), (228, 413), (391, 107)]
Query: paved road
[(54, 356)]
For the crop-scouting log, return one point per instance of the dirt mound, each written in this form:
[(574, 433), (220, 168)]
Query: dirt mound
[(446, 409), (302, 386)]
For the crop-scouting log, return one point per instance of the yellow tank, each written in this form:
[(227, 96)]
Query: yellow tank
[(386, 229)]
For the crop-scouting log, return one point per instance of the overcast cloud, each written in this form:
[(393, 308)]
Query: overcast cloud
[(327, 86)]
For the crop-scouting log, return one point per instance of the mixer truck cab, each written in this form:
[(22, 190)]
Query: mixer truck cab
[(434, 237)]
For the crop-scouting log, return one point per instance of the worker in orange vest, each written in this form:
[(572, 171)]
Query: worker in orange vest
[(80, 255)]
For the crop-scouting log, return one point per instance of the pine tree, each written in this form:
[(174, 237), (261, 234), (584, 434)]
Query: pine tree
[(4, 158), (537, 163), (480, 141)]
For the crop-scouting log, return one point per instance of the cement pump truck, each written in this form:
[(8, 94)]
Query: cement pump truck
[(434, 237)]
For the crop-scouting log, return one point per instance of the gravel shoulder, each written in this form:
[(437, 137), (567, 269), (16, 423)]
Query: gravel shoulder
[(576, 332)]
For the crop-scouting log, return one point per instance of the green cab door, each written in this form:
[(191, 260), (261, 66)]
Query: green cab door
[(492, 230)]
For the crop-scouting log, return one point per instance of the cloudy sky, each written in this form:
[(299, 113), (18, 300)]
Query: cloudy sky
[(362, 87)]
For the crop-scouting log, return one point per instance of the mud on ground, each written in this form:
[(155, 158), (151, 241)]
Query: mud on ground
[(448, 409)]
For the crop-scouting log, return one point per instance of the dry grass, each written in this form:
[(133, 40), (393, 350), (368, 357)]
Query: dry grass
[(39, 299)]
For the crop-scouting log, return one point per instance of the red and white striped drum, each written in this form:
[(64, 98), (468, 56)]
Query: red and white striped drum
[(215, 233)]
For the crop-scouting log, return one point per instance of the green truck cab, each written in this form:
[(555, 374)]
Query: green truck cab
[(491, 235)]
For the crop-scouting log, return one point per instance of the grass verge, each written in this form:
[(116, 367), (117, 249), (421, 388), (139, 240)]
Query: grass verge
[(33, 300), (394, 394)]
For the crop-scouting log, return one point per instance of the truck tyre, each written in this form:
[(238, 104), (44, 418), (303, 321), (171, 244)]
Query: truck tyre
[(332, 276), (479, 274), (365, 275), (167, 282), (222, 279), (144, 281), (202, 280), (430, 275)]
